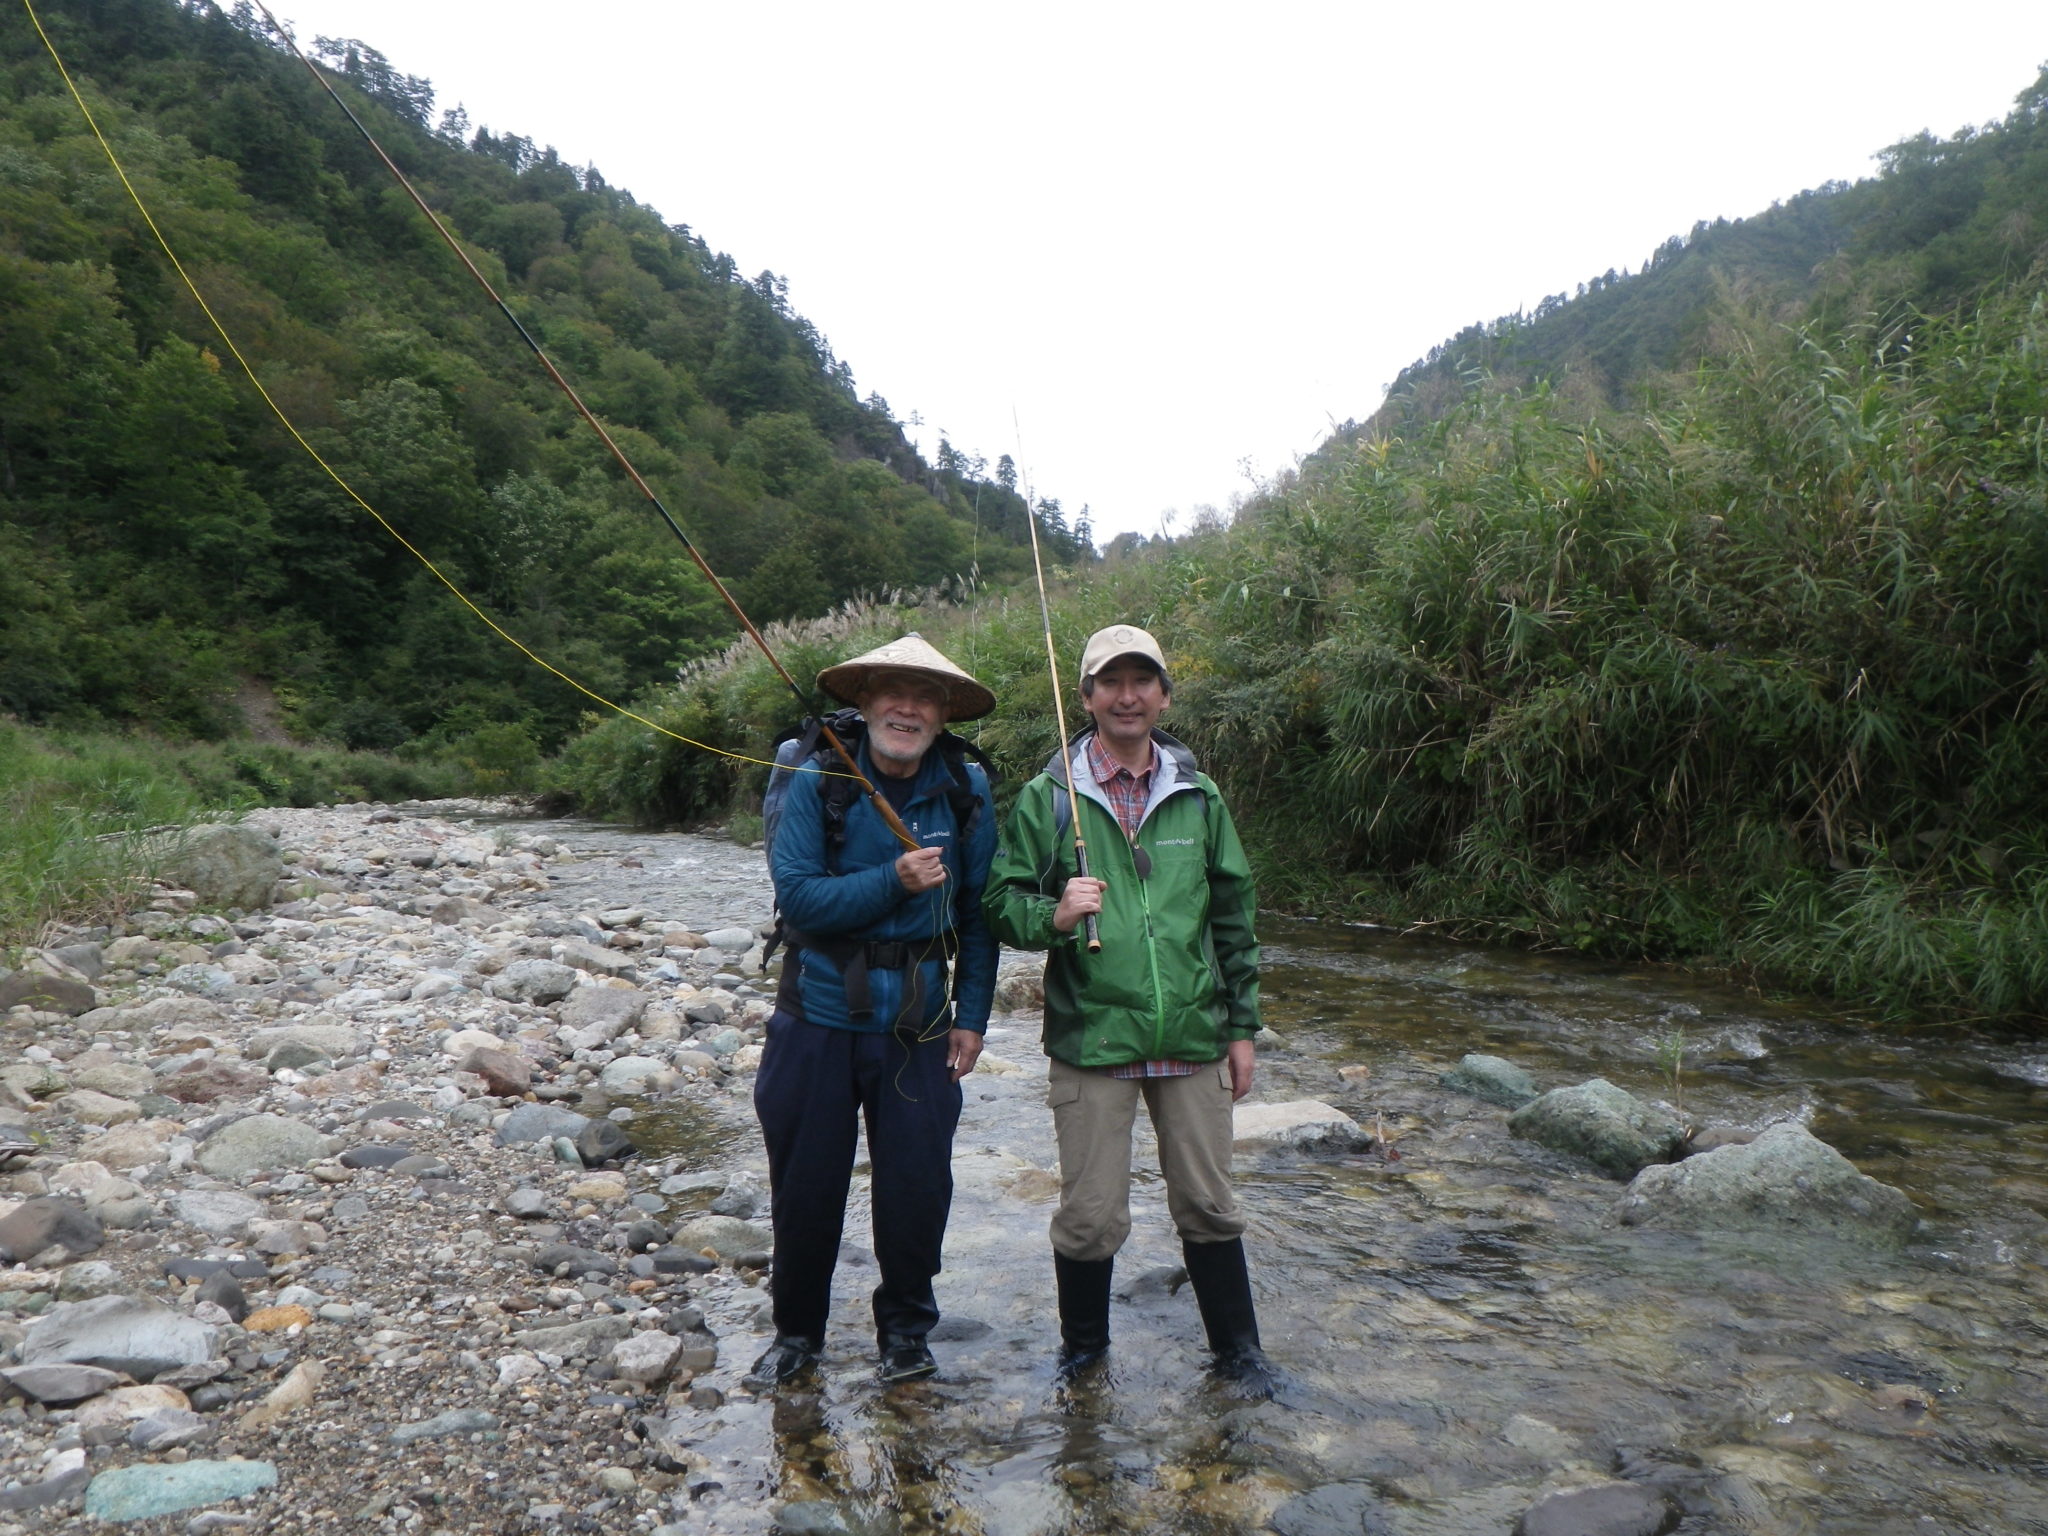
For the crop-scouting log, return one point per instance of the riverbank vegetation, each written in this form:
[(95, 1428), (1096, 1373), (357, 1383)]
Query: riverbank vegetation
[(69, 802)]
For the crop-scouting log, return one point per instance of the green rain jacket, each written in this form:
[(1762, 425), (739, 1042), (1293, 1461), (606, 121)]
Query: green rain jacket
[(1177, 978)]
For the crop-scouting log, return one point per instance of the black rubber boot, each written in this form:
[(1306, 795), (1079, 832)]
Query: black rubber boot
[(1223, 1291), (1084, 1310)]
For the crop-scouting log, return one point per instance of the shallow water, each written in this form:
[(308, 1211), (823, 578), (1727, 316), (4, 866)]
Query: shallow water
[(1467, 1327)]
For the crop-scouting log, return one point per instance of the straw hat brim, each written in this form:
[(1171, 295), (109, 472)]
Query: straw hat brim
[(966, 699)]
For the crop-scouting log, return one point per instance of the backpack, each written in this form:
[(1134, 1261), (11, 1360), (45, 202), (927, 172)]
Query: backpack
[(804, 748)]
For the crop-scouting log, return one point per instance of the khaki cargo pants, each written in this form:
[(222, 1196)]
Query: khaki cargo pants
[(1092, 1116)]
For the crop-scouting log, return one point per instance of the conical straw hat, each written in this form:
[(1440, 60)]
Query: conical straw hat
[(966, 699)]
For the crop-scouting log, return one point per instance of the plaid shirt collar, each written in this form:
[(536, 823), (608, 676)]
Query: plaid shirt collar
[(1128, 793)]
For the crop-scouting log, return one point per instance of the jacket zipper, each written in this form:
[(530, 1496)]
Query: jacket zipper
[(1152, 955)]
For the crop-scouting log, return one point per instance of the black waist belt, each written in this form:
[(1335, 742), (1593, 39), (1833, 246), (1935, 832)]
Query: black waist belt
[(855, 958)]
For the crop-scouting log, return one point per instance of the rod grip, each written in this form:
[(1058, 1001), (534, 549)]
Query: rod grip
[(1088, 924)]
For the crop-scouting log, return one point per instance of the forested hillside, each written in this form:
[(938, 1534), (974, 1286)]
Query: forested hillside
[(165, 545), (1942, 222)]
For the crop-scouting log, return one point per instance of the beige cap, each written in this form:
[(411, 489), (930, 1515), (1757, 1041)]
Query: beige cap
[(966, 699), (1106, 645)]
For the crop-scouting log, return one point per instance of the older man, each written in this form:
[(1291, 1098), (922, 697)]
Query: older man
[(884, 999), (1165, 1012)]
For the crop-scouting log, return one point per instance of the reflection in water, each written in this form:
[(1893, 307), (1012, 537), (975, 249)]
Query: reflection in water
[(1468, 1328)]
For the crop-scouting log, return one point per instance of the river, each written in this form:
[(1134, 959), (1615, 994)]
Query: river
[(1463, 1327)]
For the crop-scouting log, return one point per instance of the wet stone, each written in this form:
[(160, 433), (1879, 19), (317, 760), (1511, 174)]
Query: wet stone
[(539, 1122), (1614, 1509), (601, 1141), (1336, 1509), (1492, 1079)]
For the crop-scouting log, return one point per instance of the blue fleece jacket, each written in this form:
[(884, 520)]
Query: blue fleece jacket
[(865, 900)]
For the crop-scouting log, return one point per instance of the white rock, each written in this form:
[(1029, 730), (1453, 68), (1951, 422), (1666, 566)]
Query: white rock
[(645, 1357), (1300, 1124)]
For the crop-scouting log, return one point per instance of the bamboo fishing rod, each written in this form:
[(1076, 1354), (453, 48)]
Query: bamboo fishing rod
[(875, 798), (1059, 710)]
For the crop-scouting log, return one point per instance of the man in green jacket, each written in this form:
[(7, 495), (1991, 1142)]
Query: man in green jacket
[(1165, 1011)]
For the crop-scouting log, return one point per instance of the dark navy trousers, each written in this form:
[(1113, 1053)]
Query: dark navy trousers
[(815, 1085)]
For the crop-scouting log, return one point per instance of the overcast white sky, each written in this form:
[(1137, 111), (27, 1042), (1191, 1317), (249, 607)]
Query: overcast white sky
[(1176, 243)]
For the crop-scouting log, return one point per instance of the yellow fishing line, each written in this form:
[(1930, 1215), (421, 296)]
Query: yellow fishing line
[(335, 475)]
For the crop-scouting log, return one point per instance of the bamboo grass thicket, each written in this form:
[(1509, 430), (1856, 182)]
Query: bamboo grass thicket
[(1755, 676)]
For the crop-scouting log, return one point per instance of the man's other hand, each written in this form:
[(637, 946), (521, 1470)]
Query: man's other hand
[(921, 870)]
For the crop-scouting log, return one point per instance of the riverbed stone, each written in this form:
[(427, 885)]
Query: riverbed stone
[(727, 1236), (1786, 1179), (120, 1333), (137, 1144), (506, 1074), (587, 1336), (49, 1222), (334, 1041), (1300, 1125), (602, 1014), (636, 1074), (63, 1475), (1493, 1079), (48, 994), (1607, 1509), (1607, 1126), (262, 1141), (539, 1122), (645, 1357), (60, 1384), (226, 865), (90, 1108), (149, 1489), (600, 1142), (533, 981), (120, 1079), (594, 960), (216, 1212), (1335, 1509)]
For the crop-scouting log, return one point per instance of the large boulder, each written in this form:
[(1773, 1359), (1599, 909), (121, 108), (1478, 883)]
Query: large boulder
[(118, 1333), (1607, 1126), (225, 866), (1785, 1180)]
